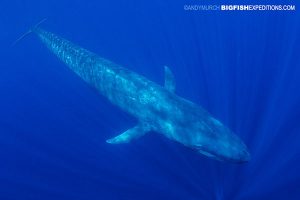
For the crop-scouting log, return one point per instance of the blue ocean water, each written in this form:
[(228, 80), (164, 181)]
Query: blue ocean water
[(243, 67)]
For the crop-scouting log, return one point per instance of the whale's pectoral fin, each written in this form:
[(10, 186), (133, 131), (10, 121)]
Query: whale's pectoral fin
[(130, 134), (169, 80)]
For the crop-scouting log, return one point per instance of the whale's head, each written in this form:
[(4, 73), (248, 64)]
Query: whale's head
[(216, 141)]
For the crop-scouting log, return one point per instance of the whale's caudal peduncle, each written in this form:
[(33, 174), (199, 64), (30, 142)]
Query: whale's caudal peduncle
[(156, 108)]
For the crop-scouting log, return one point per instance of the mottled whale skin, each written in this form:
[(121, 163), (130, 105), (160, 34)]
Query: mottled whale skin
[(155, 107)]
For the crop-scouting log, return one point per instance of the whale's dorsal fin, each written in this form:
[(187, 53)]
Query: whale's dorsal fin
[(131, 134), (169, 80)]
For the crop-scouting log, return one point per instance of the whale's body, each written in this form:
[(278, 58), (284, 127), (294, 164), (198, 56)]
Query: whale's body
[(156, 108)]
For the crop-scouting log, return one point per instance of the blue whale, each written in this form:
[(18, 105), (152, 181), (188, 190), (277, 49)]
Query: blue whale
[(156, 108)]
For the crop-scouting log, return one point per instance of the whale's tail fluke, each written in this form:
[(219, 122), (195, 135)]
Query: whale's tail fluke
[(28, 32)]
